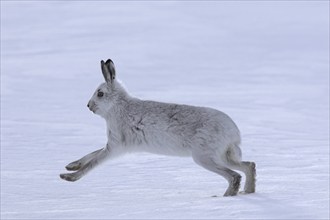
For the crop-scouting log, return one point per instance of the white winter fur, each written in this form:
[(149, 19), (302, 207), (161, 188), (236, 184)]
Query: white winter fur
[(207, 135)]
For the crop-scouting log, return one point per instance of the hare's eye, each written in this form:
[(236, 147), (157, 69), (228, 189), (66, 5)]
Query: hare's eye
[(100, 94)]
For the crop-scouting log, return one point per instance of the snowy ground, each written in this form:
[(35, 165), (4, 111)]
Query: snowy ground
[(266, 64)]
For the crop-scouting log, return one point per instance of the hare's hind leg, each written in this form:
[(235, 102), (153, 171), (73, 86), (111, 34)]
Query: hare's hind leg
[(233, 178), (76, 165), (250, 184), (248, 168)]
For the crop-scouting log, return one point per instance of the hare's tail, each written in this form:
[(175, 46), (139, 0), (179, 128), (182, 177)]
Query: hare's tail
[(233, 154)]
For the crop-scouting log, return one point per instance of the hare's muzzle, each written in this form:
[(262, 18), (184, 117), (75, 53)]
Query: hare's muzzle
[(91, 106)]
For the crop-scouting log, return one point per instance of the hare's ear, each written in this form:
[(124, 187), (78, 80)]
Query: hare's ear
[(108, 70)]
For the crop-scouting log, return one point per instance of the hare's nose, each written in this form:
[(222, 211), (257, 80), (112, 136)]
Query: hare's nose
[(90, 104)]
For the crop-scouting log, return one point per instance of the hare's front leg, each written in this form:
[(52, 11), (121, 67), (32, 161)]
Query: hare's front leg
[(76, 165), (95, 158)]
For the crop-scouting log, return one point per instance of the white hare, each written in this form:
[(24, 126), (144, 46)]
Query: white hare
[(207, 135)]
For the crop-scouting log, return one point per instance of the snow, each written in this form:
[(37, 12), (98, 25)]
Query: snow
[(266, 64)]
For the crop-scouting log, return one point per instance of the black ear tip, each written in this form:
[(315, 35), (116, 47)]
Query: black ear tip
[(109, 61), (102, 62)]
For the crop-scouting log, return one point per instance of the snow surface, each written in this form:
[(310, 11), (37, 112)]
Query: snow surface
[(266, 64)]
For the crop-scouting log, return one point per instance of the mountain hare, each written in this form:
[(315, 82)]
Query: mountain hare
[(207, 135)]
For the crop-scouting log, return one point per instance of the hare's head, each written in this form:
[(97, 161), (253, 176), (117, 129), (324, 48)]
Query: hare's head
[(106, 95)]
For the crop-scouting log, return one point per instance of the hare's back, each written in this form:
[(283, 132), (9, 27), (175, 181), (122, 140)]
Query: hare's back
[(187, 120)]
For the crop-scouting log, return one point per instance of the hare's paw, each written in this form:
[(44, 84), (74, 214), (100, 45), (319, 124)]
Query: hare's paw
[(69, 177), (76, 165), (233, 186)]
